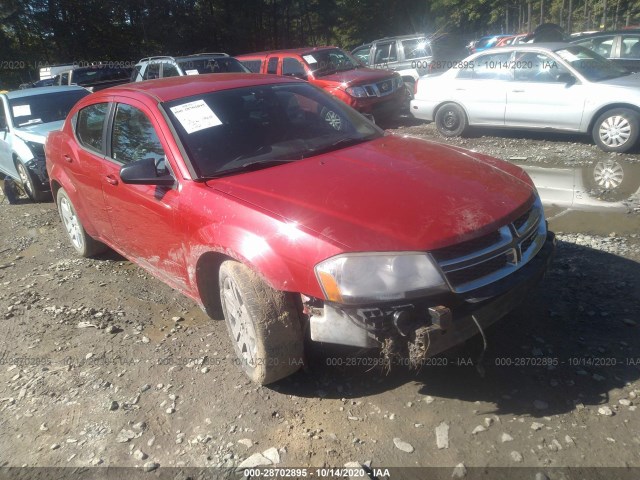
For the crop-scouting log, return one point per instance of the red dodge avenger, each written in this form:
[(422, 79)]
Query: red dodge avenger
[(235, 190)]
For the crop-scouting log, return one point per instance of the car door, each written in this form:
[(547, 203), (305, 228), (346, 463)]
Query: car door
[(481, 88), (85, 164), (144, 218), (541, 95)]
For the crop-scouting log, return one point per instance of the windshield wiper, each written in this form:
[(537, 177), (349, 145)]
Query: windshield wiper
[(342, 143), (247, 167)]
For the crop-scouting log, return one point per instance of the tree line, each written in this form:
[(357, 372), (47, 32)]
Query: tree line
[(35, 33)]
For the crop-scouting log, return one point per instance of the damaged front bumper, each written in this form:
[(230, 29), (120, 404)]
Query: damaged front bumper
[(421, 328)]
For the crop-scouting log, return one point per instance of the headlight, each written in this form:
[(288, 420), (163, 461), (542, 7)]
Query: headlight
[(376, 277), (357, 92), (37, 149)]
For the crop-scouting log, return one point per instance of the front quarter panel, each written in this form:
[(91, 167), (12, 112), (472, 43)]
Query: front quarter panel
[(282, 253)]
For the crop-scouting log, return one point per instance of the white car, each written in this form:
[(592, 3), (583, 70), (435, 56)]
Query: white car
[(26, 117), (554, 86), (161, 67)]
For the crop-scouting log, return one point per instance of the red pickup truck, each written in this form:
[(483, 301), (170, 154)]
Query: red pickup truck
[(368, 90)]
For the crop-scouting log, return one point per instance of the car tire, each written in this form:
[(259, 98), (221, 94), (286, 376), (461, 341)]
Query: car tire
[(11, 191), (616, 130), (29, 183), (263, 324), (82, 242), (451, 121)]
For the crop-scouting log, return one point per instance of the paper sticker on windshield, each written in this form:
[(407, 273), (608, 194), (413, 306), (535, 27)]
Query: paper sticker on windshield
[(21, 111), (309, 59), (195, 116), (191, 72)]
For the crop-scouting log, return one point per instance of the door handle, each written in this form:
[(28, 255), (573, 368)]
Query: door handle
[(461, 89), (112, 179), (517, 91), (67, 158)]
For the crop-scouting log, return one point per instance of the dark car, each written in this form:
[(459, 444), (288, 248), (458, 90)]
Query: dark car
[(619, 46), (95, 77)]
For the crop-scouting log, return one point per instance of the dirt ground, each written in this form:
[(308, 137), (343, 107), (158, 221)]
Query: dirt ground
[(102, 365)]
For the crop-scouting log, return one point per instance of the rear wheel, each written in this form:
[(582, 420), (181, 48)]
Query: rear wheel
[(616, 130), (263, 324), (451, 121), (29, 183), (81, 241)]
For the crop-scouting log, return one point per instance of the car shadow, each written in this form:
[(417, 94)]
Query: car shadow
[(567, 346)]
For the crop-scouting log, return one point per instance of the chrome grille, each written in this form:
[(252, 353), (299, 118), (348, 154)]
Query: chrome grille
[(478, 262)]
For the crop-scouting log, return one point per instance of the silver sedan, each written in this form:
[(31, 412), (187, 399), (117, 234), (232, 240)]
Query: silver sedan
[(554, 86)]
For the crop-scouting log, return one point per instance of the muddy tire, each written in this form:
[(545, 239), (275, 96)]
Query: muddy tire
[(616, 130), (30, 184), (263, 324), (82, 242), (451, 121)]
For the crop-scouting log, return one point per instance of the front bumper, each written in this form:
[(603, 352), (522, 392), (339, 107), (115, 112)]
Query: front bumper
[(428, 326), (38, 168)]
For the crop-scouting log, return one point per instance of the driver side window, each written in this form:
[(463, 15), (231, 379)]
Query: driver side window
[(134, 137)]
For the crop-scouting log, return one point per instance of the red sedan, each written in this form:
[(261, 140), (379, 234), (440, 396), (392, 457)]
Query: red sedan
[(235, 190)]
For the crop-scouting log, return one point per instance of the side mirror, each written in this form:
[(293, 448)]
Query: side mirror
[(566, 78), (144, 172)]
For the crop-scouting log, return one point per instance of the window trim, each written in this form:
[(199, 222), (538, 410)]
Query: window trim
[(76, 119)]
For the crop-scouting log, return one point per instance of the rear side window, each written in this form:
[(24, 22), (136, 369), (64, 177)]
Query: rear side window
[(272, 66), (89, 126), (416, 48), (630, 46), (153, 71), (253, 65), (292, 67), (134, 137), (169, 70), (602, 45), (386, 52)]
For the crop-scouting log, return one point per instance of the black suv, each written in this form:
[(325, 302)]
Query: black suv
[(620, 46)]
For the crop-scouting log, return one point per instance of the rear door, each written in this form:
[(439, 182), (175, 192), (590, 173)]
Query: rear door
[(481, 88), (85, 163), (145, 218)]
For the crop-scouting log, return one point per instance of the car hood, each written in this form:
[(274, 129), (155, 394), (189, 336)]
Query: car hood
[(388, 194), (632, 80), (357, 76), (38, 133)]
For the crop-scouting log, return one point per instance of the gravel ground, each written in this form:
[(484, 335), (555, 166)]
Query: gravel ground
[(102, 365)]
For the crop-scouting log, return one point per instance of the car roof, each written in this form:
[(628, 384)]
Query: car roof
[(172, 88), (532, 46), (605, 33), (299, 51), (29, 92)]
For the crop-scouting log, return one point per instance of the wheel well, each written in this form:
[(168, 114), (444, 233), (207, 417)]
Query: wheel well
[(55, 186), (610, 107), (435, 110), (408, 79), (207, 275)]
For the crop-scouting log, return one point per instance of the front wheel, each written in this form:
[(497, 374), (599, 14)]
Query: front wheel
[(263, 324), (616, 130), (29, 183), (451, 121), (81, 241)]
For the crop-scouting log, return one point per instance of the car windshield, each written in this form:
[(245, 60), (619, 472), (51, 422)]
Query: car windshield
[(326, 62), (44, 107), (192, 66), (592, 66), (237, 130)]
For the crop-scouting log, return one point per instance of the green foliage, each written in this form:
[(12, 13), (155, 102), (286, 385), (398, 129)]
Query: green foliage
[(39, 32)]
